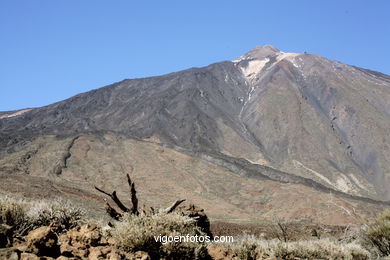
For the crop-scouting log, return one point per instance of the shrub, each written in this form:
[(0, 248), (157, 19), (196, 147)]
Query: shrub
[(320, 249), (134, 233), (60, 213), (13, 213), (377, 235), (253, 248), (25, 216)]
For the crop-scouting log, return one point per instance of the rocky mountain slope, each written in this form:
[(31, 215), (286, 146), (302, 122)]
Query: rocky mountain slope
[(267, 128)]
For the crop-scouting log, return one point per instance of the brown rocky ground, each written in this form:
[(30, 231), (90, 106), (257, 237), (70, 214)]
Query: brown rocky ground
[(83, 242), (88, 242)]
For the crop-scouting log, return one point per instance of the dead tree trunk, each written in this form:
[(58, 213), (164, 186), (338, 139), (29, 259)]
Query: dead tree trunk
[(133, 196), (134, 201)]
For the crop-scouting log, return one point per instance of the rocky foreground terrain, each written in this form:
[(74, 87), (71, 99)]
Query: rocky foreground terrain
[(268, 135), (32, 230)]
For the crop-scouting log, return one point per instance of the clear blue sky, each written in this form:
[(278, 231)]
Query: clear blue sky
[(53, 49)]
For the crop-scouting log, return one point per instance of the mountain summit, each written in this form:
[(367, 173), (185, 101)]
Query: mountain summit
[(289, 118), (259, 52)]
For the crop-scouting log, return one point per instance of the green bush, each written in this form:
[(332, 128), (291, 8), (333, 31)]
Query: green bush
[(377, 235), (135, 233)]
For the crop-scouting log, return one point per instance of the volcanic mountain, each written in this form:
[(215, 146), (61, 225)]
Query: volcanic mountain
[(244, 139)]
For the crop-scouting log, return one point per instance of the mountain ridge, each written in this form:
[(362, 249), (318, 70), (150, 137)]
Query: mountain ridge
[(321, 122)]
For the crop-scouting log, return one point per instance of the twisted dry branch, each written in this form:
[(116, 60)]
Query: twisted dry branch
[(134, 201)]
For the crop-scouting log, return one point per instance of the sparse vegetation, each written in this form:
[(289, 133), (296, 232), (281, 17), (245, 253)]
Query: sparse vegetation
[(137, 233), (25, 216), (134, 232), (254, 248), (60, 213), (377, 235), (197, 215), (11, 212), (14, 213)]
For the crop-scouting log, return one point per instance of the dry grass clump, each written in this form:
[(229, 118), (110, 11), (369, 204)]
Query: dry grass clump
[(25, 216), (321, 249), (253, 248), (377, 235), (250, 248), (134, 233), (60, 213), (13, 213)]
